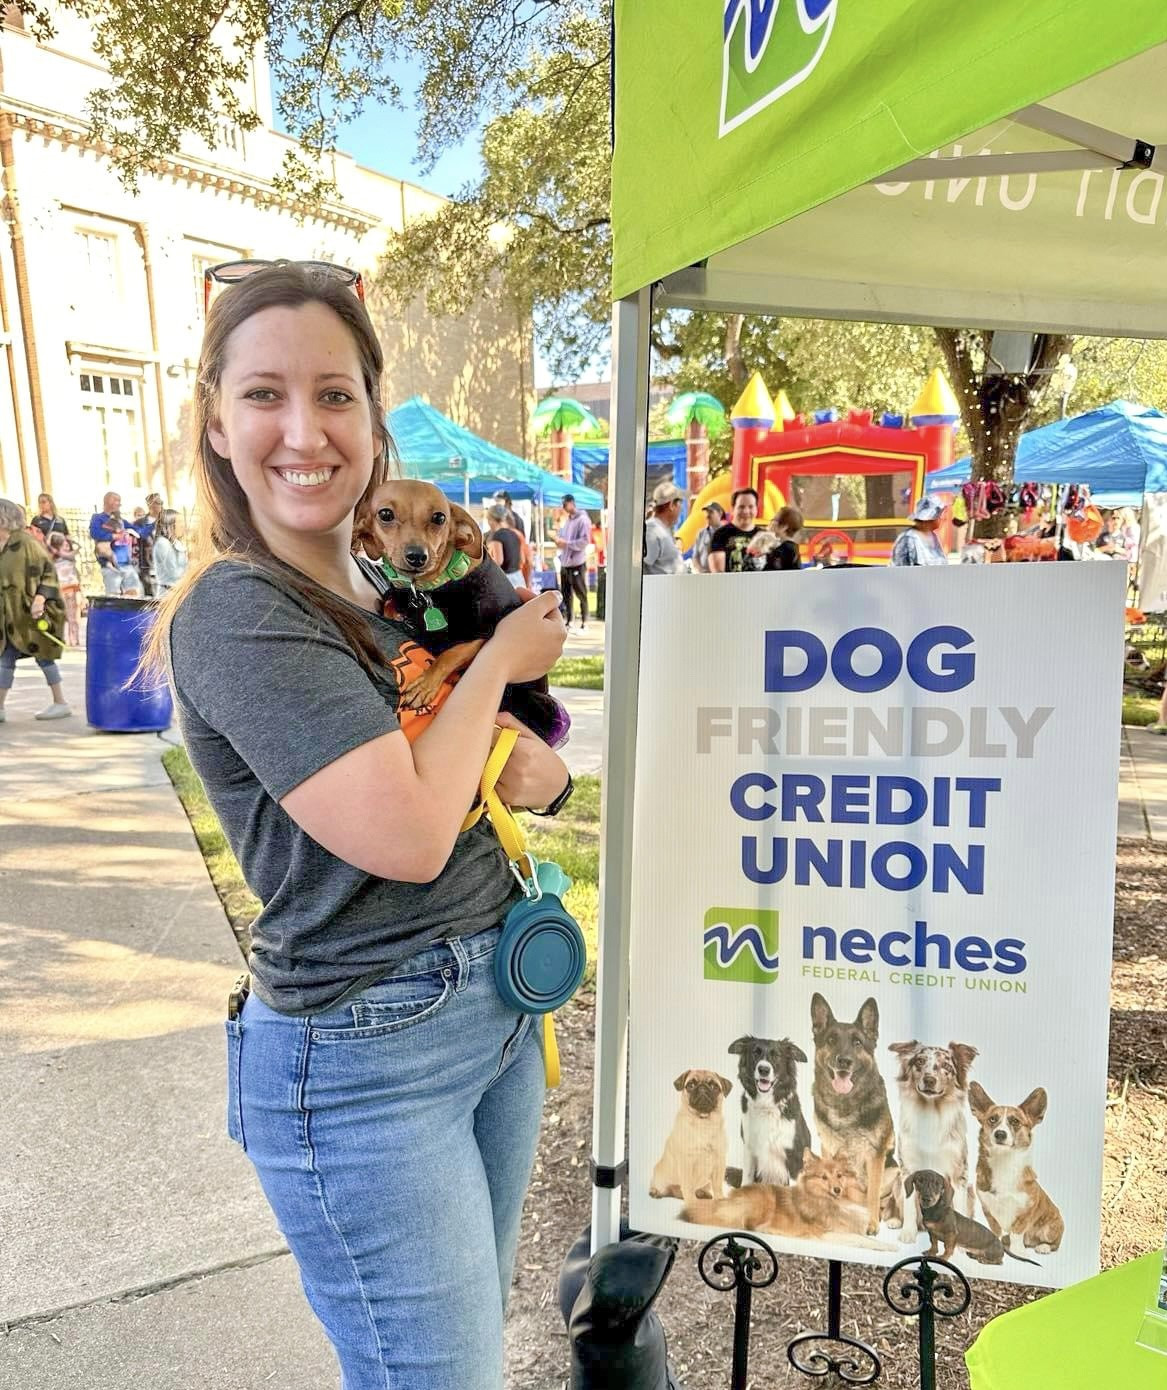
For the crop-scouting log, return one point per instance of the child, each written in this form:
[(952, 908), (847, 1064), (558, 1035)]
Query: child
[(65, 563), (169, 550)]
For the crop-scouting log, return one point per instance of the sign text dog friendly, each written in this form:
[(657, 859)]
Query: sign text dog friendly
[(872, 906)]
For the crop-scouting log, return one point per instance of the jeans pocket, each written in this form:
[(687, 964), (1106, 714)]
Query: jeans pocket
[(234, 1094), (390, 1006)]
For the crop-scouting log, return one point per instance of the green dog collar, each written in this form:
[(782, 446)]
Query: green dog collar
[(457, 568)]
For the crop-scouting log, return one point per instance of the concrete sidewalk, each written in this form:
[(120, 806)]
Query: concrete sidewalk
[(135, 1244)]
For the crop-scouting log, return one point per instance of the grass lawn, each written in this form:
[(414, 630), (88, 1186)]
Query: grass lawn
[(578, 672), (1139, 709), (241, 907), (572, 839)]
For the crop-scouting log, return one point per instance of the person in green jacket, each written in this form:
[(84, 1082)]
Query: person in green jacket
[(29, 594)]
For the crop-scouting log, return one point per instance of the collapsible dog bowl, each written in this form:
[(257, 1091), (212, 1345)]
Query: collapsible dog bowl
[(541, 956)]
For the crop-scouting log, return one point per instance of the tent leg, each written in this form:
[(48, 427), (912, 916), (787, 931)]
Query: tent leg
[(630, 364)]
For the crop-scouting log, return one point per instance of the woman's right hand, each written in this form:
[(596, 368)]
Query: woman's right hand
[(530, 639)]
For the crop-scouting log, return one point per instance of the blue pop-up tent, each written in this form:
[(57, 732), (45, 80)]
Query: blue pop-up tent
[(469, 468), (1119, 450)]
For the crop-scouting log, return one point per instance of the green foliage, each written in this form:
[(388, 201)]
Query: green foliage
[(535, 228)]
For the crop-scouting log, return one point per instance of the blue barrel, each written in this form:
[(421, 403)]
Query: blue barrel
[(114, 641)]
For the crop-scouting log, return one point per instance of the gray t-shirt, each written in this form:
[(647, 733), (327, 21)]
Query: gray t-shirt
[(661, 555), (268, 693)]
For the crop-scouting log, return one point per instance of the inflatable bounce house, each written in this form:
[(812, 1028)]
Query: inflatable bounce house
[(854, 481)]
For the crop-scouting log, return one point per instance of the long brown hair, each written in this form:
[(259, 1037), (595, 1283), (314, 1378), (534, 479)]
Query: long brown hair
[(224, 524)]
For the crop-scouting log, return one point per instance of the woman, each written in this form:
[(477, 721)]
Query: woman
[(169, 550), (46, 521), (786, 526), (28, 594), (387, 1097), (919, 544)]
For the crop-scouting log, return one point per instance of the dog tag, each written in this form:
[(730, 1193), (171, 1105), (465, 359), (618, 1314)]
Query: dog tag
[(434, 619)]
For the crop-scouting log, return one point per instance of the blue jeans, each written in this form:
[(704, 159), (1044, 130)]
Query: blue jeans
[(8, 659), (394, 1138)]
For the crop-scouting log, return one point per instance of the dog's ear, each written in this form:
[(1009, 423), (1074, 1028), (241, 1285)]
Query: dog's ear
[(365, 535), (466, 532), (978, 1100), (868, 1019), (821, 1017), (904, 1049), (909, 1184), (739, 1045), (726, 1086), (808, 1156), (1034, 1104), (679, 1083), (963, 1054), (794, 1050)]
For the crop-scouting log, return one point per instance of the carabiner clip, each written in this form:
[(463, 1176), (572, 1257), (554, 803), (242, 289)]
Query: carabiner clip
[(529, 882)]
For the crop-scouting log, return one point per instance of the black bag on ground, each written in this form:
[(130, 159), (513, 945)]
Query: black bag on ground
[(617, 1341)]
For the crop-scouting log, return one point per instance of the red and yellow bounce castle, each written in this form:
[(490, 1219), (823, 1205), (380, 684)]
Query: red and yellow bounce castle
[(853, 481)]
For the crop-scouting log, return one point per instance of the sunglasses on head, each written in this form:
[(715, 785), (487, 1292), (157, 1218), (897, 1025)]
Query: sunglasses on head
[(231, 272)]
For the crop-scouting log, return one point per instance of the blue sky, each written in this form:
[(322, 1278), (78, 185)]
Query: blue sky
[(384, 138)]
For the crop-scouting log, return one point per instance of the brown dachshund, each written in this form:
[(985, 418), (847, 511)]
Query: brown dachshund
[(948, 1228), (449, 590)]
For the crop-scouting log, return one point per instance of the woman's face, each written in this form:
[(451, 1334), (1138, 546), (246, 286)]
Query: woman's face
[(294, 420), (45, 504)]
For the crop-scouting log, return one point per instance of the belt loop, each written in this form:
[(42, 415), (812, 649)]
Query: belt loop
[(462, 961)]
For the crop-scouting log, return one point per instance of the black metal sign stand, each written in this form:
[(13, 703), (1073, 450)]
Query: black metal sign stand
[(917, 1287)]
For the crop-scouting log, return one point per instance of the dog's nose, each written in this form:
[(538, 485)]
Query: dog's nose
[(1000, 1135), (764, 1068), (844, 1063), (416, 556)]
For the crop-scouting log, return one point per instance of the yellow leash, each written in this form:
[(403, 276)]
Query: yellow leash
[(514, 844)]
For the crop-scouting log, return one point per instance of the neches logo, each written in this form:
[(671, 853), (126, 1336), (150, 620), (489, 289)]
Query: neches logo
[(768, 48), (741, 944)]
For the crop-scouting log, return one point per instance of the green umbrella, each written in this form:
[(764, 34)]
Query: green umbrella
[(707, 410), (562, 413)]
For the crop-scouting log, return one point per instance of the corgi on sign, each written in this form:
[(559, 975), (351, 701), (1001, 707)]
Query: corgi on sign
[(768, 48)]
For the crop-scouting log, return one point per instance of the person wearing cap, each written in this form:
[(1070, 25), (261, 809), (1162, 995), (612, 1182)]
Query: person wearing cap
[(661, 555), (714, 517), (919, 544), (572, 540), (504, 545)]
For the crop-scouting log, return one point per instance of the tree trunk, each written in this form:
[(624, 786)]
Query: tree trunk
[(733, 350), (996, 408)]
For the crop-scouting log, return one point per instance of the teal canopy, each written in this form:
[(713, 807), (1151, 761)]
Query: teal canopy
[(469, 468)]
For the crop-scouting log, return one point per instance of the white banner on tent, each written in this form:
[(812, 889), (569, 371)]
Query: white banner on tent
[(903, 784)]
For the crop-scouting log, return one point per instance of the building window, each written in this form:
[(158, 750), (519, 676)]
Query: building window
[(113, 429), (99, 257), (201, 265)]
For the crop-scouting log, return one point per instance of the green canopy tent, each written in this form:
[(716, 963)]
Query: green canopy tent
[(996, 165)]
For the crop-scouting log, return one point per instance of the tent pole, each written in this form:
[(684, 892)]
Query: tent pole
[(631, 318), (466, 490)]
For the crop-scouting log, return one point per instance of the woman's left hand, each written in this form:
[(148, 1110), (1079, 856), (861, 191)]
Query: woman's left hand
[(534, 774), (38, 607)]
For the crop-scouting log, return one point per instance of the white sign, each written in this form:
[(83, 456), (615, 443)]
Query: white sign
[(902, 785)]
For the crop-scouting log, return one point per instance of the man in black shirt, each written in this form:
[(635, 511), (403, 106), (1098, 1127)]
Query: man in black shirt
[(503, 545), (727, 550)]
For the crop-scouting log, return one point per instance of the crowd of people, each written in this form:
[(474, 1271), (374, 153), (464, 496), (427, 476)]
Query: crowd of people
[(42, 600), (733, 544)]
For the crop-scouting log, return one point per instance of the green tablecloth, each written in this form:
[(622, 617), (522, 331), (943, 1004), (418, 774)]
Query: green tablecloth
[(1080, 1338)]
